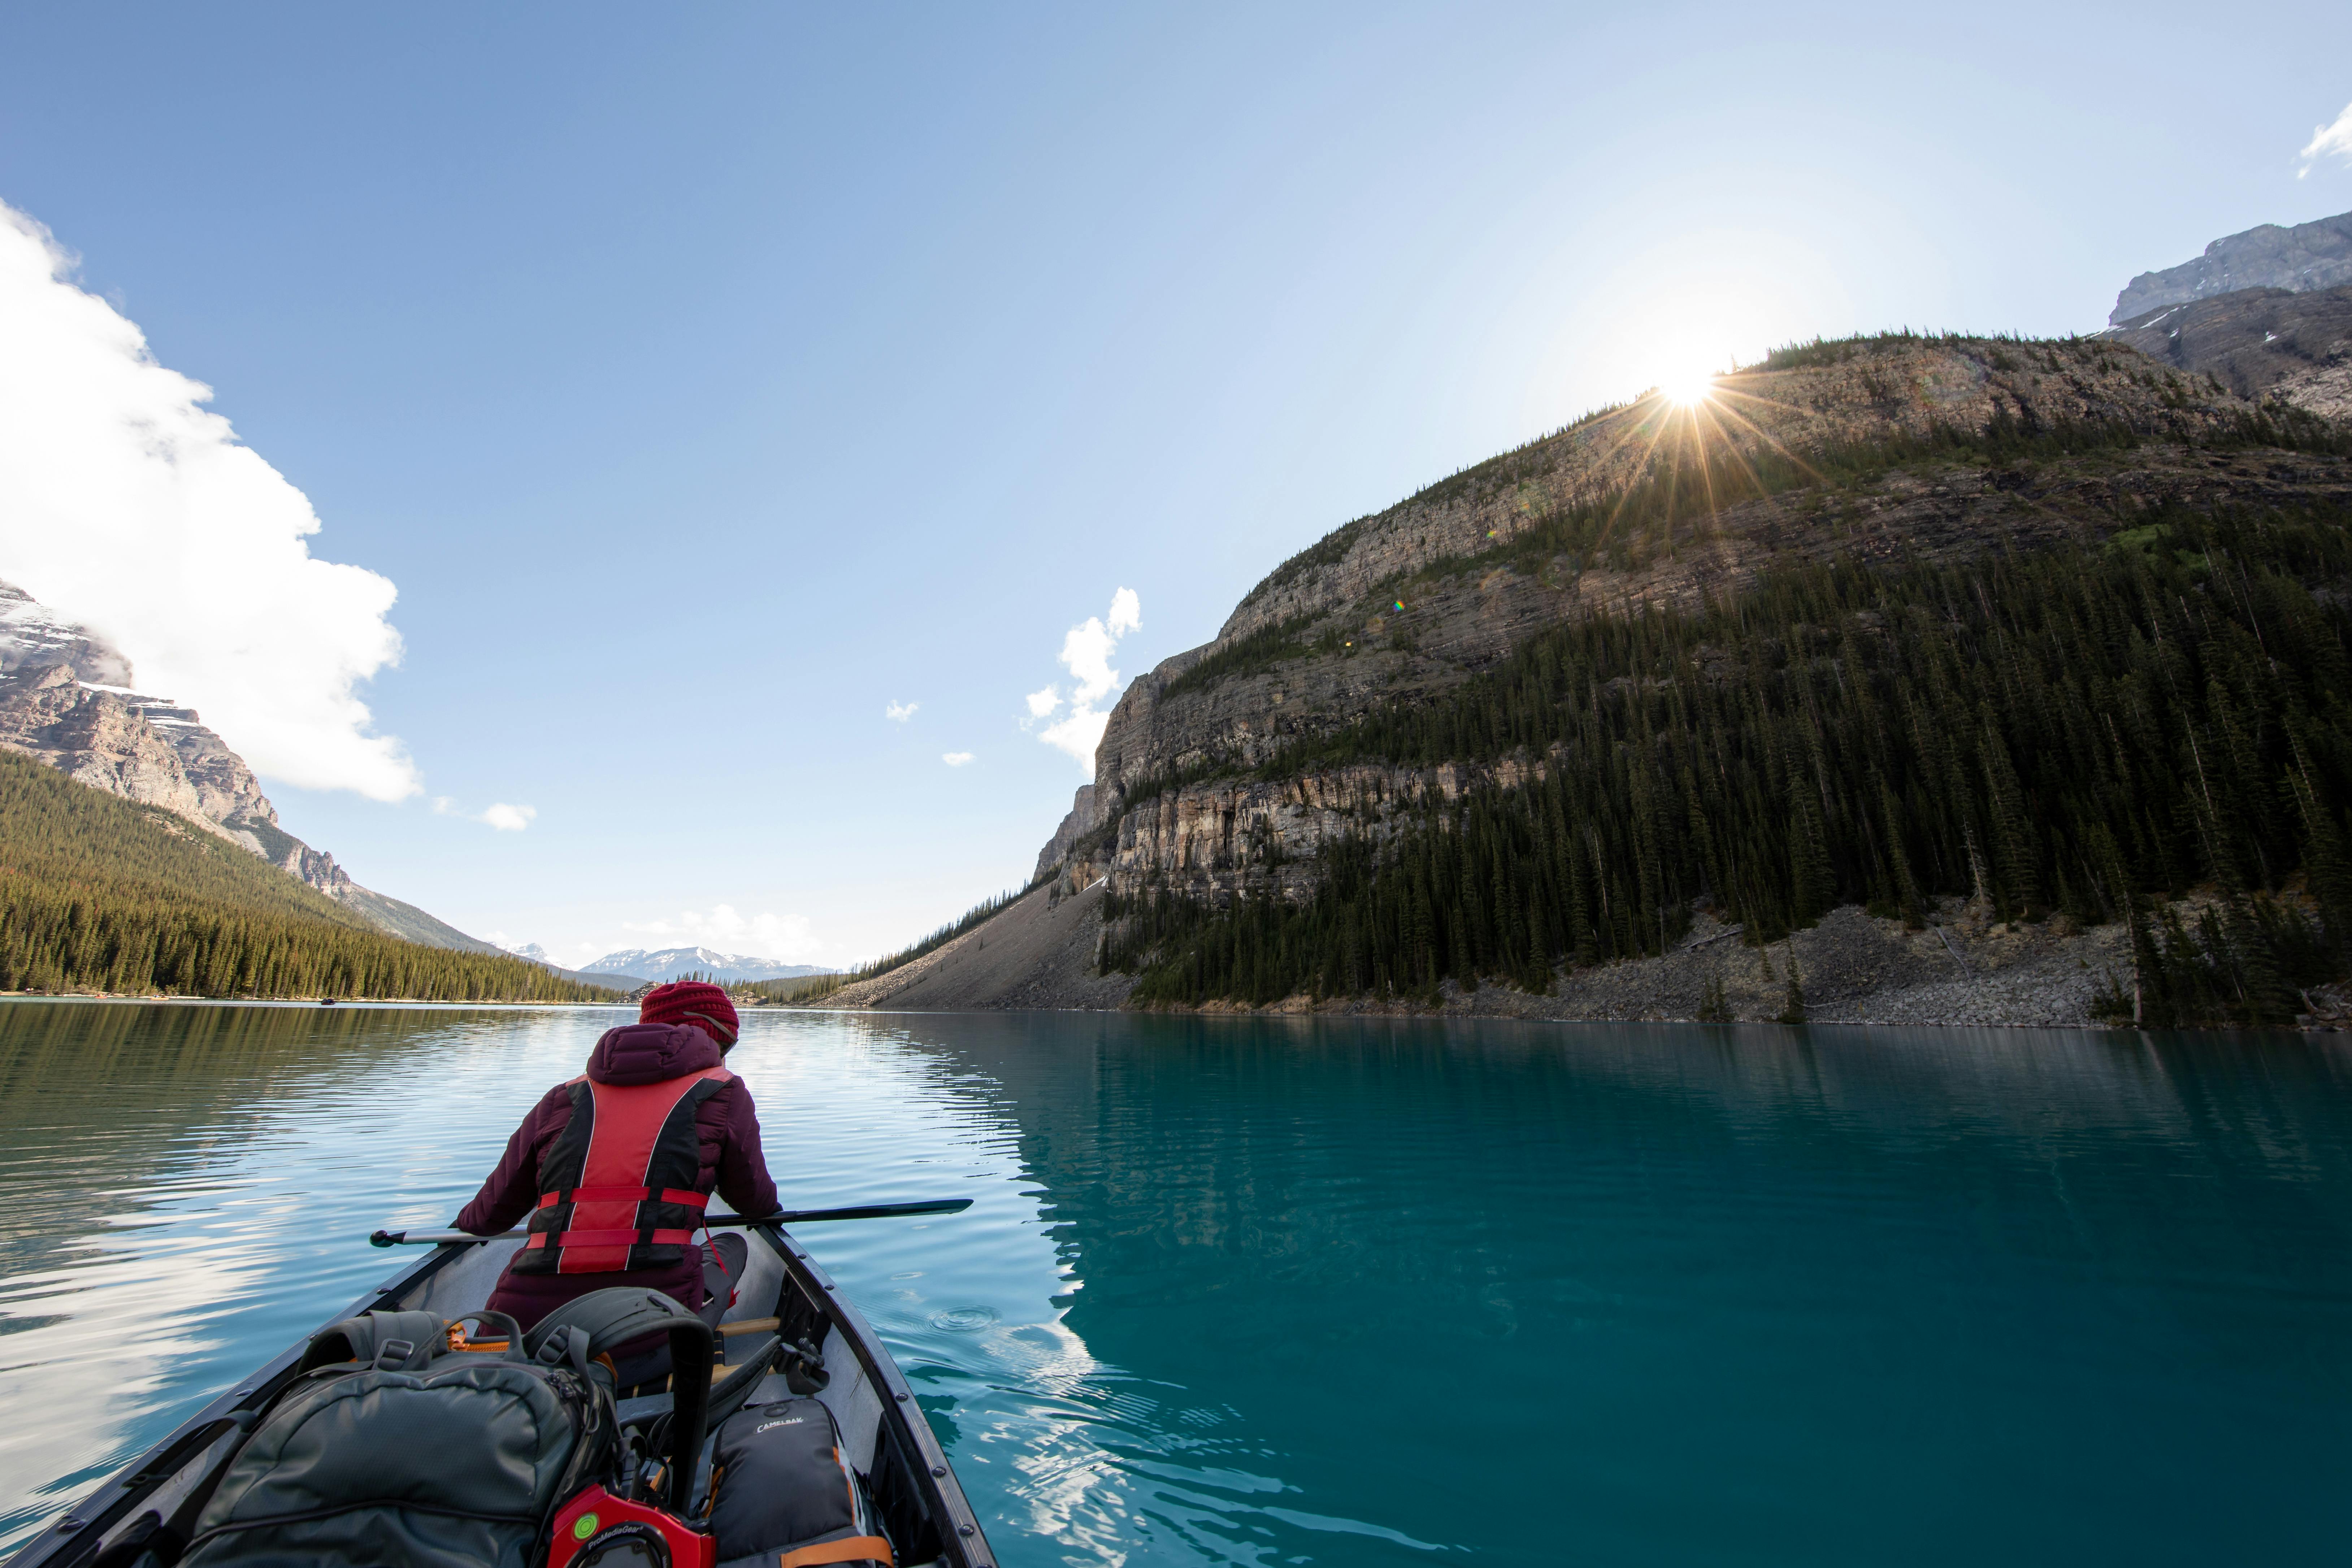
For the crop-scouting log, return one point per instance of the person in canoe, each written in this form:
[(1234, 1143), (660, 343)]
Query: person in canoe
[(614, 1167)]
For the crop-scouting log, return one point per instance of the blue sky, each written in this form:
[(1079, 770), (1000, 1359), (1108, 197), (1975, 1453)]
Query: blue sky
[(708, 380)]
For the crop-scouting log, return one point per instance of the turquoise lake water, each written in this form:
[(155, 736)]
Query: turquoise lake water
[(1337, 1292)]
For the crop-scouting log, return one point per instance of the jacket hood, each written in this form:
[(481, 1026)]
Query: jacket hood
[(649, 1053)]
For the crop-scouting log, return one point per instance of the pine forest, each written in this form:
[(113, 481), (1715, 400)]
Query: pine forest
[(101, 894), (2090, 733)]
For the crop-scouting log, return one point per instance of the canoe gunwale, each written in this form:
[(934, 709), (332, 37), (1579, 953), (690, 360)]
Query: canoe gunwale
[(962, 1543), (74, 1536)]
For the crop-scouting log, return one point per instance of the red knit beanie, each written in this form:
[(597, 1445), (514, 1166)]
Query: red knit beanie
[(694, 1002)]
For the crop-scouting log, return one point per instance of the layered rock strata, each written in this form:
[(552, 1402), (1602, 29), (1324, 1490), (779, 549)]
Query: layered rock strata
[(141, 748)]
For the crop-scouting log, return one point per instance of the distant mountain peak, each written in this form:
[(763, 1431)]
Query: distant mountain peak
[(2309, 256), (672, 963), (33, 634)]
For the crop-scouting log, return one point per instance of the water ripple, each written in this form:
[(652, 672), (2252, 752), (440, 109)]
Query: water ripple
[(1285, 1293)]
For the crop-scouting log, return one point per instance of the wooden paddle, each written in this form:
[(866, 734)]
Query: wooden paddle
[(710, 1221)]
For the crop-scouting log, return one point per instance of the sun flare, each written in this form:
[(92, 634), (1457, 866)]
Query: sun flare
[(1686, 389)]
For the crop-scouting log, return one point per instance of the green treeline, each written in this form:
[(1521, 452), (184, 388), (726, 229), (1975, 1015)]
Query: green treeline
[(1246, 655), (798, 988), (980, 913), (2086, 731), (97, 893)]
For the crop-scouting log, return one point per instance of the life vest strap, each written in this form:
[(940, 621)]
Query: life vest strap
[(546, 1239), (626, 1196)]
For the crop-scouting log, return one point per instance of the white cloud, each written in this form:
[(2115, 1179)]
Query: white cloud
[(498, 814), (1087, 649), (789, 938), (955, 759), (1087, 652), (131, 507), (2329, 140), (901, 711), (1080, 734)]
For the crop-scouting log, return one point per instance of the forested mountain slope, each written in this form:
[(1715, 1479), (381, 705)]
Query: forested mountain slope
[(65, 700), (105, 894), (2045, 626)]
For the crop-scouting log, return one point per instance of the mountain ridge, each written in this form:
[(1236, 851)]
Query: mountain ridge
[(674, 963), (1263, 805), (2314, 255), (2261, 343), (66, 700), (102, 893)]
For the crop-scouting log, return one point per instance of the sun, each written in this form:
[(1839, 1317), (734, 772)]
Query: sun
[(1686, 388)]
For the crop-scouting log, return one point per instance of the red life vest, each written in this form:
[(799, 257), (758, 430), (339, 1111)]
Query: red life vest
[(617, 1186)]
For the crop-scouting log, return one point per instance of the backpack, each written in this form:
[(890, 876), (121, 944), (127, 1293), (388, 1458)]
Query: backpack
[(781, 1490), (393, 1449)]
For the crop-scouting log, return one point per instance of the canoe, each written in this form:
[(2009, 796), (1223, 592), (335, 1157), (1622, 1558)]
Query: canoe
[(916, 1498)]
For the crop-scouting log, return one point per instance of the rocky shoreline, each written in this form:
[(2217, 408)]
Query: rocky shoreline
[(1851, 968), (1963, 970)]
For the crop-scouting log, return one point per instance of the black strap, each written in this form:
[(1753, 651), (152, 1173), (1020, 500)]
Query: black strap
[(602, 1320), (364, 1339), (732, 1392)]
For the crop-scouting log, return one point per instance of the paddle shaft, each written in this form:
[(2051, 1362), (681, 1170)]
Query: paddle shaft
[(710, 1221)]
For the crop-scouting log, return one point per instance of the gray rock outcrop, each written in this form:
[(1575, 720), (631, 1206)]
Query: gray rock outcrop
[(2316, 254), (134, 746), (2259, 343), (1075, 827)]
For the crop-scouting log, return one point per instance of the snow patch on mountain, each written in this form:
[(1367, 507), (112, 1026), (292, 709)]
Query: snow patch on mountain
[(671, 963)]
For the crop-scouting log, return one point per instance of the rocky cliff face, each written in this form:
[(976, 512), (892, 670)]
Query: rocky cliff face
[(2258, 343), (1075, 827), (137, 747), (2316, 255), (65, 700), (1398, 609)]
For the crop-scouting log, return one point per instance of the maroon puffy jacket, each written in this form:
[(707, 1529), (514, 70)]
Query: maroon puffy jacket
[(725, 1123)]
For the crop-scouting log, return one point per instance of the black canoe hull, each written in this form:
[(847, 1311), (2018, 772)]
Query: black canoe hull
[(883, 1430)]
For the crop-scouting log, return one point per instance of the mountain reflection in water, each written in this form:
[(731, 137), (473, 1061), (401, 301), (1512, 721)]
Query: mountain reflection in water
[(1342, 1292)]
